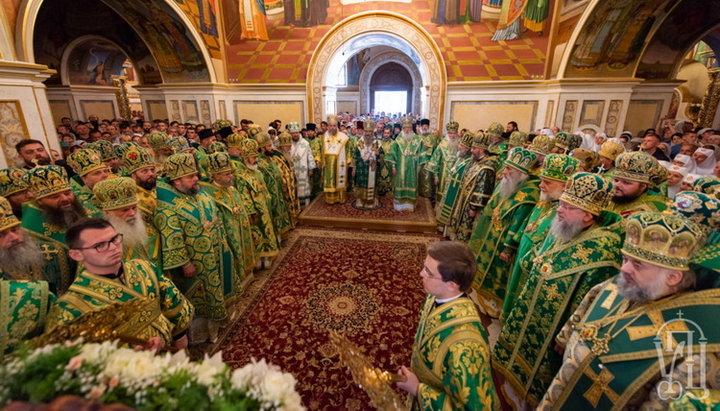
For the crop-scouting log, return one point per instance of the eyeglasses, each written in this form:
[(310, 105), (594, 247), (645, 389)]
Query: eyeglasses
[(103, 246)]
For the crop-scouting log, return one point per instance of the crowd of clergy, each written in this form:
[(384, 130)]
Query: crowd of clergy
[(586, 247)]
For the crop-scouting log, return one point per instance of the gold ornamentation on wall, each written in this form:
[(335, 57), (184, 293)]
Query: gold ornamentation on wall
[(611, 122), (205, 112), (175, 110), (121, 95), (12, 129), (710, 101), (569, 114), (591, 113)]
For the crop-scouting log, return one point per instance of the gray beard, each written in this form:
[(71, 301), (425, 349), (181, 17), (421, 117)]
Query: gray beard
[(253, 167), (635, 293), (21, 259), (64, 218), (407, 136), (564, 231), (509, 185), (547, 197), (453, 144), (134, 233)]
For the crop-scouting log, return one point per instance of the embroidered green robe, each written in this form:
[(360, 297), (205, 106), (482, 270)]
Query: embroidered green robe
[(561, 275), (405, 156), (452, 189), (316, 180), (289, 188), (273, 183), (438, 166), (451, 358), (85, 196), (256, 199), (706, 263), (426, 183), (366, 159), (646, 202), (147, 205), (58, 268), (169, 313), (24, 307), (238, 232), (530, 237), (613, 355), (493, 232), (192, 232), (477, 186), (385, 183), (336, 159)]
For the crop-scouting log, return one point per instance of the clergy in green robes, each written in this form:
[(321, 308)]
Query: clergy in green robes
[(195, 251), (426, 183), (46, 219), (105, 278), (497, 145), (476, 188), (273, 182), (455, 178), (24, 308), (608, 153), (581, 250), (336, 158), (315, 143), (107, 153), (255, 198), (15, 188), (442, 160), (117, 199), (90, 170), (641, 339), (633, 181), (20, 257), (493, 237), (138, 164), (555, 172), (450, 364), (385, 181), (405, 156), (234, 217), (367, 167), (283, 160)]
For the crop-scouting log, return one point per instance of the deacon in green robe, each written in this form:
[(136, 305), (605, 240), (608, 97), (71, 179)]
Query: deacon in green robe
[(90, 170), (385, 181), (195, 251), (477, 185), (234, 217), (634, 181), (449, 367), (426, 186), (496, 145), (288, 183), (582, 250), (24, 308), (641, 339), (493, 236), (367, 166), (445, 208), (405, 156), (316, 147), (274, 184), (443, 159), (556, 170), (255, 198)]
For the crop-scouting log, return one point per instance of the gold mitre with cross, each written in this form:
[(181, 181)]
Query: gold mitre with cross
[(452, 127), (495, 129), (333, 119), (218, 163), (85, 161), (294, 127), (521, 159), (179, 165), (48, 180), (123, 148), (217, 147), (668, 241), (636, 166), (467, 139), (254, 129), (518, 138), (105, 148), (13, 180), (158, 141), (115, 193), (218, 124), (7, 218), (235, 140), (408, 122), (136, 158), (369, 124), (559, 167), (542, 144), (285, 139), (588, 192), (178, 144), (249, 148), (480, 140)]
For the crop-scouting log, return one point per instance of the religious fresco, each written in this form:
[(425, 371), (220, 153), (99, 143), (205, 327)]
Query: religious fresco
[(11, 9), (94, 63), (204, 15), (265, 45), (145, 25)]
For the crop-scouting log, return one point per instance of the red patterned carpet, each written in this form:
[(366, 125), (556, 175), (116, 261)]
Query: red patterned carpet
[(422, 219), (365, 286)]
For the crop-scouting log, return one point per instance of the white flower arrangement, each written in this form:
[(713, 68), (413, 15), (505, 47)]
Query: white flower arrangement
[(108, 373)]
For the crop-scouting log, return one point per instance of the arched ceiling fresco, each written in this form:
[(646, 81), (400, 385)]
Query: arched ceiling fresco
[(93, 62)]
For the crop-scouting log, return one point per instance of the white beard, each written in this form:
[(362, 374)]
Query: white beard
[(407, 136), (565, 231), (253, 167), (635, 293), (547, 197), (21, 259), (510, 184), (134, 233)]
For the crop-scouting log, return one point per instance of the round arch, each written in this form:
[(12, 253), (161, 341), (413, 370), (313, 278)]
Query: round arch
[(375, 63), (28, 13), (78, 42), (371, 26)]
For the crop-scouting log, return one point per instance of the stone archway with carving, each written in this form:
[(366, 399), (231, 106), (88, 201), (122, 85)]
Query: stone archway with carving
[(431, 64), (377, 62)]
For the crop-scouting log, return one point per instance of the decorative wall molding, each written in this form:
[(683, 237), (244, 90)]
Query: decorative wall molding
[(569, 114), (611, 122), (378, 61)]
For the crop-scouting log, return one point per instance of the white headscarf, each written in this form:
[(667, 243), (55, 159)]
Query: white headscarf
[(547, 132), (672, 190), (686, 161), (707, 167)]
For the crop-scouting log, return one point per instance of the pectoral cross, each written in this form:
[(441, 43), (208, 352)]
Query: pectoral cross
[(668, 327), (48, 252), (600, 386)]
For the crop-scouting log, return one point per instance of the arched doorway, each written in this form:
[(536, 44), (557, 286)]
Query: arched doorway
[(369, 29), (397, 57), (388, 80)]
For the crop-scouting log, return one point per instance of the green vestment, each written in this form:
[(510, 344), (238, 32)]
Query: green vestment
[(451, 358), (618, 351), (86, 197), (405, 156), (646, 202), (24, 306), (426, 183), (385, 183), (238, 231), (530, 237), (316, 180), (475, 190), (493, 232), (256, 199), (147, 204), (192, 232), (168, 315), (336, 158), (273, 183), (452, 189), (561, 275), (58, 268), (438, 166), (367, 166), (289, 187)]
